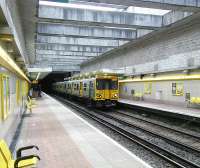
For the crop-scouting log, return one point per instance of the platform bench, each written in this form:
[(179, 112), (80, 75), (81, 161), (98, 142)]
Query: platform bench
[(7, 161), (138, 96), (30, 103), (194, 100)]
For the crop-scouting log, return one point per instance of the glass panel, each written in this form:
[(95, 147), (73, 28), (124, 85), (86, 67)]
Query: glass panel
[(106, 84), (4, 98), (100, 84), (114, 85)]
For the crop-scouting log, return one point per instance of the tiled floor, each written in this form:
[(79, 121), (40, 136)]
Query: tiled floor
[(169, 108), (67, 141)]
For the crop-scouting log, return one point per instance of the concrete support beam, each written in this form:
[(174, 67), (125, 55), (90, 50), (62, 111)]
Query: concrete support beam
[(64, 62), (5, 30), (60, 58), (10, 10), (66, 68), (28, 12), (185, 5), (79, 41), (72, 48), (44, 69), (175, 16), (58, 68), (65, 53), (98, 18), (86, 31)]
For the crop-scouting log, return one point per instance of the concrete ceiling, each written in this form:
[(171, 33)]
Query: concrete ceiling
[(183, 5), (63, 37), (7, 41)]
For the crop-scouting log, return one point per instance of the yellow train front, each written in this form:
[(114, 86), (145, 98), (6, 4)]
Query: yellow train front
[(96, 89), (106, 91)]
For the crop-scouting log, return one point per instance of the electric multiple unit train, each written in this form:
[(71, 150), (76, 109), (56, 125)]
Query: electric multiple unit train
[(97, 88)]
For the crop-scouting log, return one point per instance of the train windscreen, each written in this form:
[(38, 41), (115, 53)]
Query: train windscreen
[(106, 84)]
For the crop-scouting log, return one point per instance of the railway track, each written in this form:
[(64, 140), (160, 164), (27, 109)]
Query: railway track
[(176, 142), (167, 155), (183, 132)]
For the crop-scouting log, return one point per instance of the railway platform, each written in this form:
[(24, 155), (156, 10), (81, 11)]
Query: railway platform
[(165, 109), (66, 140)]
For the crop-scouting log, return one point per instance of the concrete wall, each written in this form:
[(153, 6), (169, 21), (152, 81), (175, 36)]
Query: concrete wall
[(8, 127), (161, 90), (175, 48)]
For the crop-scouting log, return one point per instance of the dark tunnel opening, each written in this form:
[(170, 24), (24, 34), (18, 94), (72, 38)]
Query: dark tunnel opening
[(47, 82)]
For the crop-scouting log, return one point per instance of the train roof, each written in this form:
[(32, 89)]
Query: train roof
[(92, 75)]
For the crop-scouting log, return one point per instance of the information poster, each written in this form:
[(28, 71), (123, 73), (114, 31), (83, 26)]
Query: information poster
[(177, 88)]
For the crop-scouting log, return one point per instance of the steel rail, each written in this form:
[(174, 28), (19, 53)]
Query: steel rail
[(161, 152), (161, 125), (170, 140)]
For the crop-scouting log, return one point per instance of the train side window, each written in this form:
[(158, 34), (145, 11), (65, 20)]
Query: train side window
[(91, 85), (85, 86)]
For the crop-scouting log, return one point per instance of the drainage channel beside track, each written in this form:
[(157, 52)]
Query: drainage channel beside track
[(139, 136)]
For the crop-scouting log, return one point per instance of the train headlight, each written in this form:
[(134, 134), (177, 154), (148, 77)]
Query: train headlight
[(115, 95), (99, 96)]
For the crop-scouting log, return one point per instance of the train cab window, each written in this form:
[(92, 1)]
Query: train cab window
[(106, 84), (113, 84), (100, 84)]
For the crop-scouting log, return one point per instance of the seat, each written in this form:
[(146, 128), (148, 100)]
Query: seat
[(21, 161), (30, 103), (32, 100), (3, 163), (195, 100), (198, 100), (138, 96)]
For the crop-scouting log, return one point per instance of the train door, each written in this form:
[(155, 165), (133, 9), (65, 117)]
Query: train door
[(91, 89), (81, 89), (106, 89)]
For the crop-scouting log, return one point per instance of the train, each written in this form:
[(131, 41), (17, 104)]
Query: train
[(97, 89)]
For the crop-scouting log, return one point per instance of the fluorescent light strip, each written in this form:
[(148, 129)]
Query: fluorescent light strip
[(11, 63), (38, 75), (130, 9)]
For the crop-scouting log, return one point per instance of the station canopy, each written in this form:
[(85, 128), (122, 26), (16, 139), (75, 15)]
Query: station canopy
[(65, 33)]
